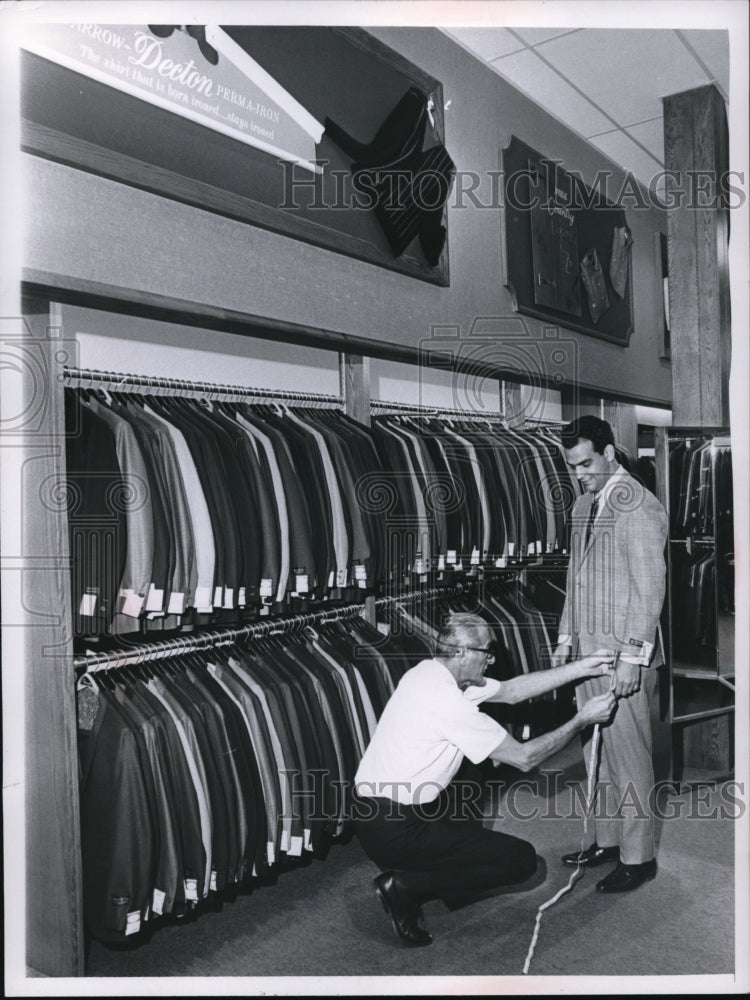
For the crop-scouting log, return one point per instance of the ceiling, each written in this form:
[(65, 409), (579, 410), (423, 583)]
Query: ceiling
[(605, 84)]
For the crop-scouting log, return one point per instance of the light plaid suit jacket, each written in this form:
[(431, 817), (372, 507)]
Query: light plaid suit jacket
[(616, 583)]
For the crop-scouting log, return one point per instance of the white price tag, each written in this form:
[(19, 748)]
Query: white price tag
[(218, 597), (302, 585), (133, 604), (155, 599), (511, 549), (419, 566), (203, 599), (88, 605), (133, 923), (176, 604), (242, 597), (342, 578), (538, 548), (157, 903), (501, 562), (441, 562), (475, 557), (229, 598), (266, 587), (451, 559)]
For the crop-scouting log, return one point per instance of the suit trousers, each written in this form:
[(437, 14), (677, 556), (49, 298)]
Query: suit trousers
[(624, 817), (439, 851)]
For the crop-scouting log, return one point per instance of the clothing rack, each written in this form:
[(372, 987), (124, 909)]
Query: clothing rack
[(530, 423), (162, 386), (159, 650), (418, 410), (157, 385), (91, 662), (428, 594), (706, 542)]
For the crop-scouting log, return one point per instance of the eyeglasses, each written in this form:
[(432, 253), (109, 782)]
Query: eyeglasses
[(483, 649), (477, 649)]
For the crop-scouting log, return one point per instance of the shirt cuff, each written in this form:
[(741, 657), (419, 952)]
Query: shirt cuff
[(565, 640), (634, 659), (638, 651)]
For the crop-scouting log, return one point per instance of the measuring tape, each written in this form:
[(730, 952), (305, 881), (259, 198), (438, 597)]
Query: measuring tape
[(593, 761)]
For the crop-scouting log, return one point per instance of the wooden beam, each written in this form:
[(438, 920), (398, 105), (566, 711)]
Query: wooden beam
[(696, 149), (77, 291), (54, 910), (354, 382)]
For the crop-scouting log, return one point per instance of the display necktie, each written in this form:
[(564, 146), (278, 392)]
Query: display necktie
[(592, 517)]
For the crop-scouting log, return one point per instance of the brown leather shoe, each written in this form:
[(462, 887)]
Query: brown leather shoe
[(625, 878), (403, 910), (592, 856)]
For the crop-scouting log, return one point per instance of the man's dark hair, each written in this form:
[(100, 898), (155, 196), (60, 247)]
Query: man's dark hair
[(588, 428)]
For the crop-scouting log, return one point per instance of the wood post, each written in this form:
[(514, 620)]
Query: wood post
[(54, 909), (696, 151), (354, 383)]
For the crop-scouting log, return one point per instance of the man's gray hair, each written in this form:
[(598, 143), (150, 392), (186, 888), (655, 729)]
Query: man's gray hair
[(457, 630)]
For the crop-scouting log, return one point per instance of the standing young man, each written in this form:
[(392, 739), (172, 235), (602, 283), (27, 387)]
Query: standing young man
[(614, 596)]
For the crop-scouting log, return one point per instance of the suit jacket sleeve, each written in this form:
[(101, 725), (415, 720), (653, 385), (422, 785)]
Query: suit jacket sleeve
[(566, 629), (643, 539)]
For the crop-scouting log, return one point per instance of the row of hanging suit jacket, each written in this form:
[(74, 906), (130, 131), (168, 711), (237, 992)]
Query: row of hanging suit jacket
[(697, 468), (217, 769), (702, 550), (189, 507)]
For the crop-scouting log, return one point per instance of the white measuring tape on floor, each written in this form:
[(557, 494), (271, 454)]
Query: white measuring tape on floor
[(593, 760)]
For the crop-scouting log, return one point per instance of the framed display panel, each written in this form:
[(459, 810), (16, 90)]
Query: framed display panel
[(175, 137), (563, 245)]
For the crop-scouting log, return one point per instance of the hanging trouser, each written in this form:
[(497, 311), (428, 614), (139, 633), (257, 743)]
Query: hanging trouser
[(439, 851)]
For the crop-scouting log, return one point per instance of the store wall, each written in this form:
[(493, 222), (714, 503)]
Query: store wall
[(91, 228)]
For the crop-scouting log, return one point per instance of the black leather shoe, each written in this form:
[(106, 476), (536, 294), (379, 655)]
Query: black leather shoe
[(402, 909), (592, 856), (627, 877)]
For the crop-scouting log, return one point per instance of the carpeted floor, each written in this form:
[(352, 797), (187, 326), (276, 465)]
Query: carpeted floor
[(323, 920)]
